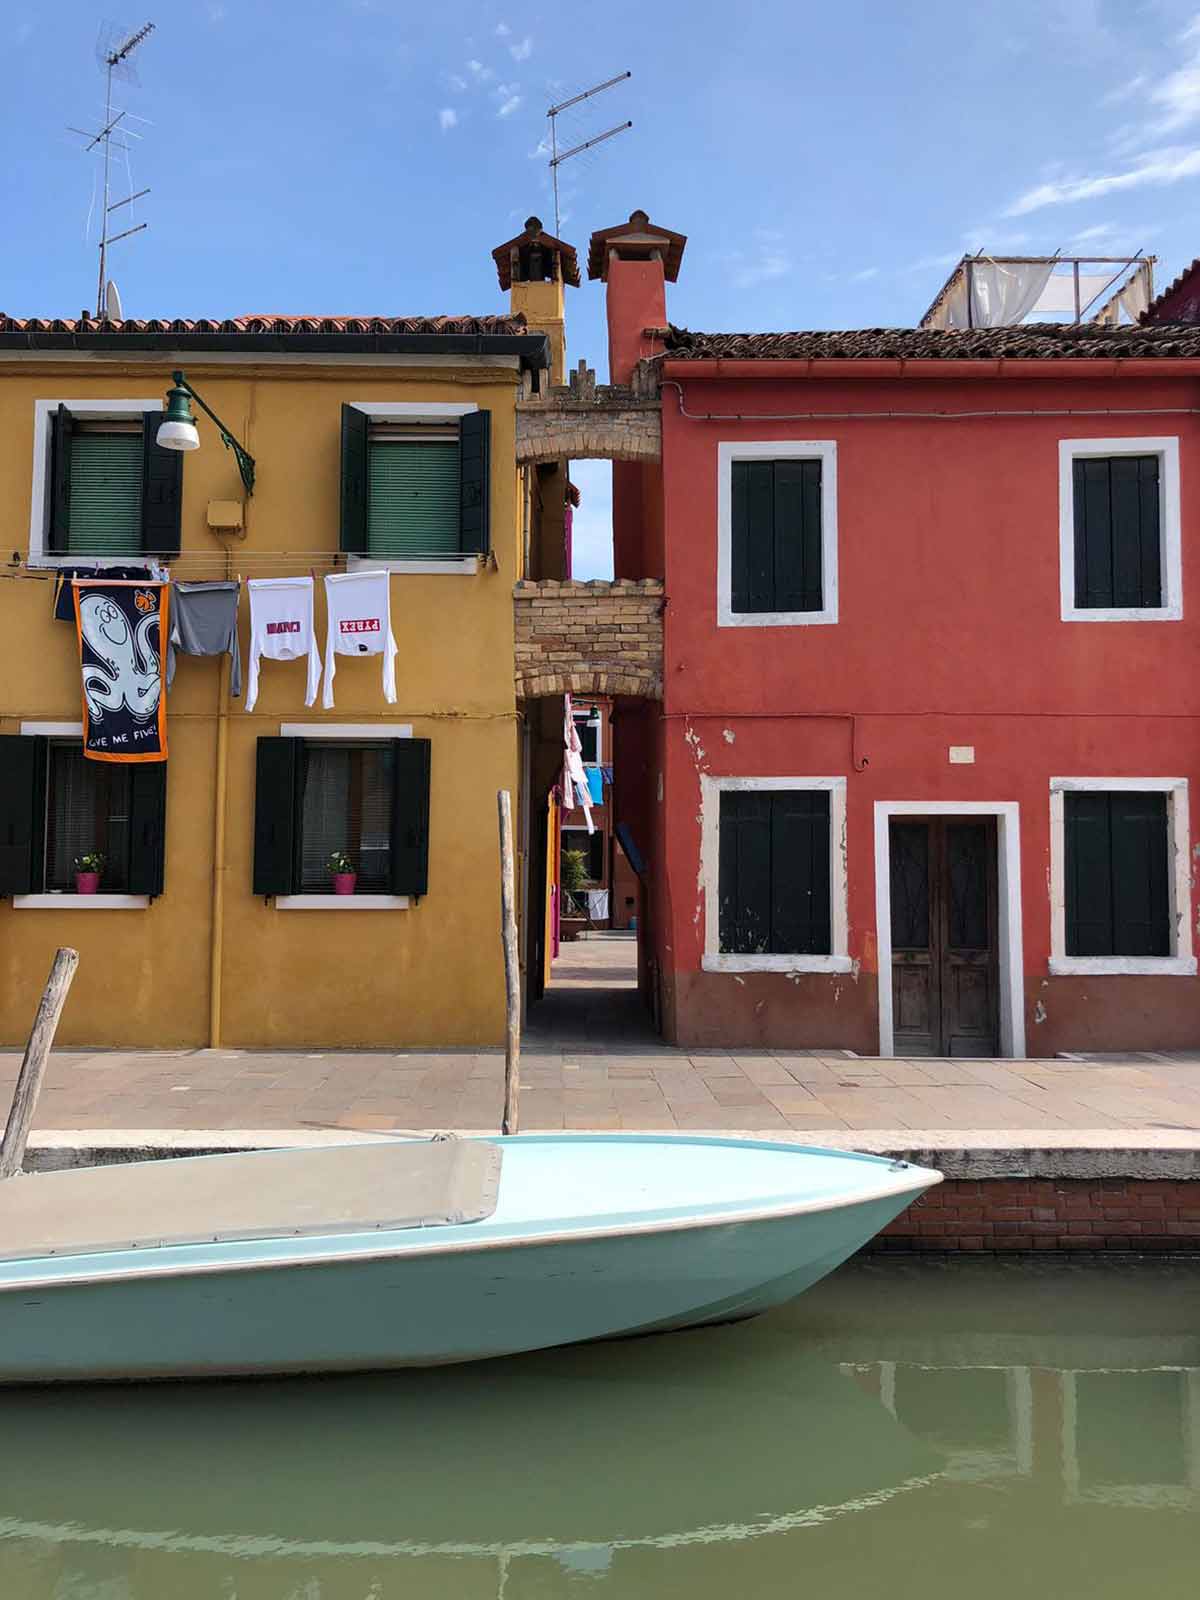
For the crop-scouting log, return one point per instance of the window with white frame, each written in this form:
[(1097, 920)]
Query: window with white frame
[(337, 806), (59, 810), (103, 489), (415, 481), (776, 533), (774, 874), (1120, 887), (1119, 530)]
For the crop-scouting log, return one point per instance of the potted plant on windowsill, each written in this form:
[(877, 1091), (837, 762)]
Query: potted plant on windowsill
[(341, 870), (87, 872)]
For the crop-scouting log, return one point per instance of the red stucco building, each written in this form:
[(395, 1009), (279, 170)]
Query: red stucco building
[(922, 780)]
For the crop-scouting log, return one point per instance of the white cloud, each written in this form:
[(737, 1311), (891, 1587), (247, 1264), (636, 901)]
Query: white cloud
[(479, 72), (1155, 168), (522, 51), (457, 81), (864, 275), (1177, 97), (502, 30), (513, 103), (771, 262), (447, 118), (1125, 91), (947, 259)]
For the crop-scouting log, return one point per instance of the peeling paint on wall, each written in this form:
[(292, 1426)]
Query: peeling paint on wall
[(728, 735), (1039, 1012)]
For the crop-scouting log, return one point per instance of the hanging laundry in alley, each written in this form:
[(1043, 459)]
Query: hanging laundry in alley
[(204, 622), (576, 789), (122, 628), (281, 629), (359, 624)]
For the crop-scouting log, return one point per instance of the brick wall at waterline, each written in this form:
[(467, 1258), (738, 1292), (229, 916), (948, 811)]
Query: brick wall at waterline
[(1125, 1214)]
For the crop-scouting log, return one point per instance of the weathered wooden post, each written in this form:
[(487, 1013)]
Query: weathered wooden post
[(512, 970), (33, 1065)]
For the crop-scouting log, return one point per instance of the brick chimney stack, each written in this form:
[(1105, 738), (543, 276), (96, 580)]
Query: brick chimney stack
[(636, 260)]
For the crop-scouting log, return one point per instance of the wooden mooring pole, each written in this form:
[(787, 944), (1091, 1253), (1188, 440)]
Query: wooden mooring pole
[(33, 1065), (512, 970)]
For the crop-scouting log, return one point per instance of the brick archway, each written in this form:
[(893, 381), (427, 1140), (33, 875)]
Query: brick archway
[(589, 638), (589, 421)]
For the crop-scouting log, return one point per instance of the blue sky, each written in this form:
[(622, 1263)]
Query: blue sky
[(828, 163)]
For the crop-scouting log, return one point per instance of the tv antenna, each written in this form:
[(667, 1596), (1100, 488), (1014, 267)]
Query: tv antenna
[(557, 160), (114, 52)]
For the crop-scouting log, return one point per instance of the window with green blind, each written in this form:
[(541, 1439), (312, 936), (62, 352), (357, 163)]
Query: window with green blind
[(415, 487), (87, 811), (106, 493)]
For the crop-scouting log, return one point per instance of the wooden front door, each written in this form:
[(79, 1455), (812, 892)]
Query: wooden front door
[(945, 989)]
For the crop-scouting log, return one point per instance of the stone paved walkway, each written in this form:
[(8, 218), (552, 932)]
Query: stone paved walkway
[(590, 1060)]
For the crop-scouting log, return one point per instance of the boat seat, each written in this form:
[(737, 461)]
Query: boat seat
[(267, 1194)]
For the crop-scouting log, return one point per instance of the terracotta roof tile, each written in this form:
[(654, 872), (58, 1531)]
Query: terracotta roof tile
[(269, 324), (1151, 312), (1043, 341)]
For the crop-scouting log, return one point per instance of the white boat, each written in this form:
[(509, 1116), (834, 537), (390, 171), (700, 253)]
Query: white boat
[(417, 1253)]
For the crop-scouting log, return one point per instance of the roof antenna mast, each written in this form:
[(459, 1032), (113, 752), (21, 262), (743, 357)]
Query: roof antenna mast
[(557, 160), (114, 51)]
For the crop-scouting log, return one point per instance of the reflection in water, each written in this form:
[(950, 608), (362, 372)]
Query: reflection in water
[(905, 1428)]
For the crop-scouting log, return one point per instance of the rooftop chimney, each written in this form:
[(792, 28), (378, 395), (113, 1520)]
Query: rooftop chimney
[(534, 267), (636, 260)]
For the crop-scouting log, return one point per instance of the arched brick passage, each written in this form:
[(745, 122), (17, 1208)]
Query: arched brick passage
[(587, 420), (589, 638)]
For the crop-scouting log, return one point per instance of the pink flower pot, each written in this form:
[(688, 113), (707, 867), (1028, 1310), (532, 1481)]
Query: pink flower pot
[(343, 882), (87, 882)]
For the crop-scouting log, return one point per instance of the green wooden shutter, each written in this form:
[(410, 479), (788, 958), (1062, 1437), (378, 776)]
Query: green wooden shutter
[(414, 497), (355, 494), (276, 815), (1089, 906), (106, 494), (58, 498), (410, 816), (147, 826), (797, 535), (753, 536), (475, 432), (22, 813), (1118, 539), (1140, 892), (800, 901), (744, 872), (162, 491)]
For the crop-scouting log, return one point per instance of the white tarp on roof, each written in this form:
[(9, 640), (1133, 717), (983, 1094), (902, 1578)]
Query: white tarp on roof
[(1059, 293), (1001, 295)]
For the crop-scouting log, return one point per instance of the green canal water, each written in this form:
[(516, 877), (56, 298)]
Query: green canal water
[(974, 1429)]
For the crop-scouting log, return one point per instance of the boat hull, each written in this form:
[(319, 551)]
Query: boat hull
[(423, 1311), (399, 1309)]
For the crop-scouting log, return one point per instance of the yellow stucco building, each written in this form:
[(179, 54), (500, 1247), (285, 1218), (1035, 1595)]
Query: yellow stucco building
[(377, 443)]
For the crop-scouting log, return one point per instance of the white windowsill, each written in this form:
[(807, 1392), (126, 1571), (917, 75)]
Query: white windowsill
[(736, 963), (1169, 613), (461, 566), (341, 902), (775, 619), (1127, 966), (80, 902)]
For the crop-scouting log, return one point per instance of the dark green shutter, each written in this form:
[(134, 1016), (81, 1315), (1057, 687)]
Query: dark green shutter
[(475, 499), (276, 815), (1118, 874), (1089, 875), (147, 827), (1141, 897), (58, 500), (800, 909), (1118, 539), (744, 872), (775, 545), (355, 490), (22, 813), (410, 816), (162, 491)]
